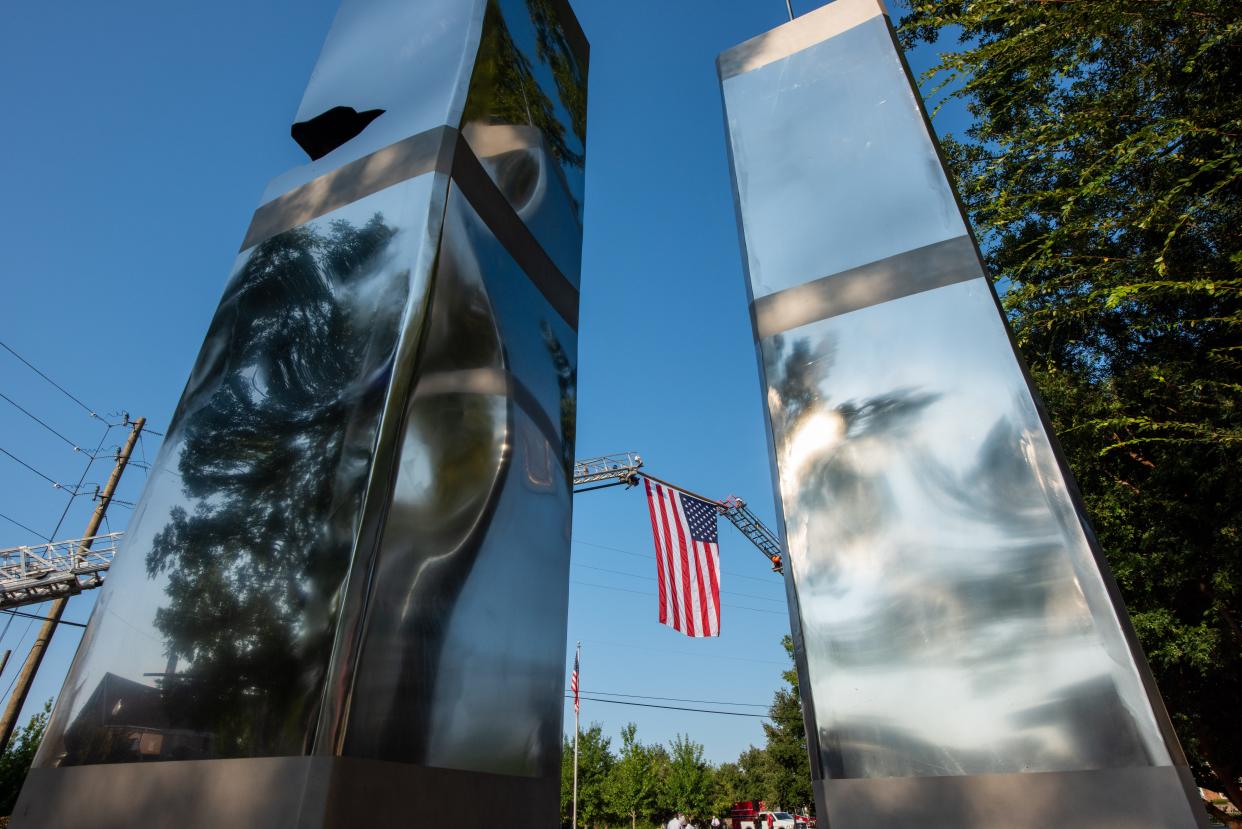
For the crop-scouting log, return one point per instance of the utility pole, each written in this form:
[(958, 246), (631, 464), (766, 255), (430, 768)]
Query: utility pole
[(22, 687)]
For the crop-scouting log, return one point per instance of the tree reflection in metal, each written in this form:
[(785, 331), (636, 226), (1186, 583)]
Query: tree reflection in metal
[(964, 658)]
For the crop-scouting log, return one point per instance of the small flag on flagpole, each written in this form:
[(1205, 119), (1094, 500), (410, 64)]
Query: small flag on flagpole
[(687, 560), (573, 680)]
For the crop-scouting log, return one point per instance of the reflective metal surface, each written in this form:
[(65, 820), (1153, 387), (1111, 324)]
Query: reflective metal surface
[(953, 619), (411, 60), (525, 115), (354, 543), (460, 666), (836, 118), (955, 628), (217, 623)]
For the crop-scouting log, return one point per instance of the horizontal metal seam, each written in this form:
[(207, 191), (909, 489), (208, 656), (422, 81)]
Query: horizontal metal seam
[(811, 29), (903, 274), (409, 158)]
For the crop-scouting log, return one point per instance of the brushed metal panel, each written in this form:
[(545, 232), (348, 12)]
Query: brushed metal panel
[(252, 793), (1132, 798), (279, 793)]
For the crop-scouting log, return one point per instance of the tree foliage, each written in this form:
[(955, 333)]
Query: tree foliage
[(646, 784), (686, 786), (18, 755), (787, 776), (1103, 177), (633, 786), (595, 764)]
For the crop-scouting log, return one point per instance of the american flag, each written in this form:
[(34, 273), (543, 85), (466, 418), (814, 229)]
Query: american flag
[(687, 560), (573, 681)]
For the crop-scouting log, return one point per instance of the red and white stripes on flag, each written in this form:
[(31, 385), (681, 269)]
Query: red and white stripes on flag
[(687, 560), (573, 680)]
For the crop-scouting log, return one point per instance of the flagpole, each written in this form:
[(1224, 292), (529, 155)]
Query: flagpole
[(577, 655)]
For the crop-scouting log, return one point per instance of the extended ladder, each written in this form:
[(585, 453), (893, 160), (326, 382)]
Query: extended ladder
[(623, 469)]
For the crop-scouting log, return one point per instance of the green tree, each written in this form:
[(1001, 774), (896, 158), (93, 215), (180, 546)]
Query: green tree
[(633, 782), (595, 762), (17, 757), (686, 785), (1102, 172), (729, 786), (788, 775)]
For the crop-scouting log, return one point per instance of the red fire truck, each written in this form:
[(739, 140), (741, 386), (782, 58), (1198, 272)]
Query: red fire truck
[(745, 814), (754, 814)]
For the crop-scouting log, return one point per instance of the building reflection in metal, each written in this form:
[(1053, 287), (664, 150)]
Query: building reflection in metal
[(355, 540), (958, 638)]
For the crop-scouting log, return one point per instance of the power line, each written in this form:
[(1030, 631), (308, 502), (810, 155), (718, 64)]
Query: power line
[(648, 555), (77, 489), (72, 496), (24, 527), (42, 618), (652, 578), (646, 593), (679, 699), (61, 388), (671, 707), (685, 653), (17, 406), (50, 480)]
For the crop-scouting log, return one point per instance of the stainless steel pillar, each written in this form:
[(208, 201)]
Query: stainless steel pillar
[(342, 598), (965, 659)]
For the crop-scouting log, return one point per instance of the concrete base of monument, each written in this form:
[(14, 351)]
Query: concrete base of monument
[(280, 793), (1137, 798)]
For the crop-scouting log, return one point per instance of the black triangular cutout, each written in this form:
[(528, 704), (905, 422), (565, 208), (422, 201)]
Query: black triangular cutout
[(329, 130)]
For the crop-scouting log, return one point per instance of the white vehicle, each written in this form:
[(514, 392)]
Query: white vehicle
[(780, 820)]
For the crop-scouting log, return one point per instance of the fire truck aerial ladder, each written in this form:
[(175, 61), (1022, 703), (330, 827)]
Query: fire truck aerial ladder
[(38, 572), (623, 470)]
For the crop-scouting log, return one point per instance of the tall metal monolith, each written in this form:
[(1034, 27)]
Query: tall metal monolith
[(965, 660), (342, 598)]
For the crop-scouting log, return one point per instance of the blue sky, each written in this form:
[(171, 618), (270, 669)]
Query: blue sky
[(138, 139)]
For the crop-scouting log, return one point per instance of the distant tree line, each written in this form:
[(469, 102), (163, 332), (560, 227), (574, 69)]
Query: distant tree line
[(644, 784)]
